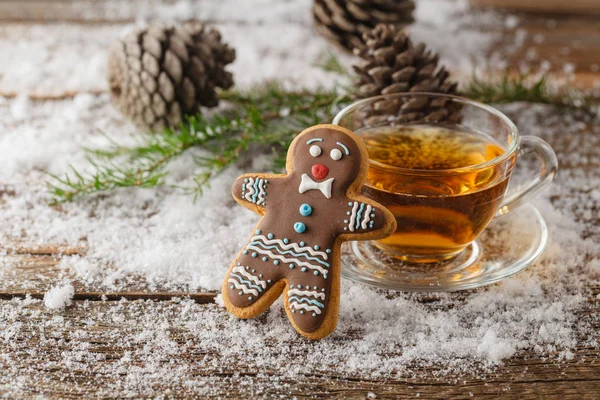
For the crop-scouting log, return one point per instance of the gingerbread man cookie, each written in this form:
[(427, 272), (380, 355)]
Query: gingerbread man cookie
[(307, 214)]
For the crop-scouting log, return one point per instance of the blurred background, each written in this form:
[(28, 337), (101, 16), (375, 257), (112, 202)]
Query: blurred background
[(52, 48)]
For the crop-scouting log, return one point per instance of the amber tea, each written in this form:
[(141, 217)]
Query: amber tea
[(439, 208)]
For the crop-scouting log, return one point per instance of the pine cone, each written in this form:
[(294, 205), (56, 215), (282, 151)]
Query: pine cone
[(392, 64), (345, 21), (160, 74)]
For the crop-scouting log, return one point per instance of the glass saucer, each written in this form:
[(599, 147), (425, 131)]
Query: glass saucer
[(509, 244)]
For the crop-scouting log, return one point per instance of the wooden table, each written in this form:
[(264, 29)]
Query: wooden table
[(34, 268)]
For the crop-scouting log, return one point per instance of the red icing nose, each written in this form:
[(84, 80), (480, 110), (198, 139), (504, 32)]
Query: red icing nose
[(319, 171)]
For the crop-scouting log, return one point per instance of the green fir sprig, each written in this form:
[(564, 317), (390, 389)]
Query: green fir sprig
[(266, 118), (329, 62), (263, 119), (511, 89)]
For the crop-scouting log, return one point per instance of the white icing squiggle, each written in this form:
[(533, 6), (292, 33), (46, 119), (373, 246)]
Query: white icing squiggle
[(286, 260), (261, 194), (353, 217), (254, 194), (306, 307), (242, 287), (242, 271), (367, 217), (297, 292), (294, 246), (250, 188)]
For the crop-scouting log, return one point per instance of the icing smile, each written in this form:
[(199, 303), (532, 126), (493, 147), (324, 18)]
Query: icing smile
[(319, 171)]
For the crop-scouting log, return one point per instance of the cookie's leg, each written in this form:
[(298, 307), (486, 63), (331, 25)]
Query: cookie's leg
[(251, 286), (312, 305)]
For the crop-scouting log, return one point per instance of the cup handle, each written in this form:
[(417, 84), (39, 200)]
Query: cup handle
[(531, 144)]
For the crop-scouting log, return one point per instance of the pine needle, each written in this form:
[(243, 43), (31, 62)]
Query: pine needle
[(329, 62), (266, 118), (511, 89)]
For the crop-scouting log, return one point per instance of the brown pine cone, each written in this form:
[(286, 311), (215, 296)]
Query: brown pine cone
[(393, 64), (162, 73), (345, 21)]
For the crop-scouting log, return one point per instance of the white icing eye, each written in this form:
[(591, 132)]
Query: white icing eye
[(335, 154), (315, 151)]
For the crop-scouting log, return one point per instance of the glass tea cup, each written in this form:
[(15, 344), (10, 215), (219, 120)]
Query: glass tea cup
[(442, 165)]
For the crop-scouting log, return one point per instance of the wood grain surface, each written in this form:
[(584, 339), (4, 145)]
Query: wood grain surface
[(573, 7), (34, 269), (39, 350), (524, 377)]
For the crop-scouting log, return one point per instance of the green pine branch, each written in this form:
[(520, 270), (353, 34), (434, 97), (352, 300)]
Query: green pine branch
[(263, 119), (329, 62), (266, 118), (511, 89)]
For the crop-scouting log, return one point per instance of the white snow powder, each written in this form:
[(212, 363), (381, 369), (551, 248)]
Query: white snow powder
[(160, 238), (20, 107), (59, 297)]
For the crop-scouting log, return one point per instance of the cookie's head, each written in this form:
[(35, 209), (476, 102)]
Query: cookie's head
[(329, 151)]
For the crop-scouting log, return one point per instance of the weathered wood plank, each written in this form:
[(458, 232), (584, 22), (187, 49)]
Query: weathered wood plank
[(47, 358), (582, 7), (34, 273), (64, 10), (99, 349), (101, 12), (42, 249), (31, 275), (558, 44), (201, 297)]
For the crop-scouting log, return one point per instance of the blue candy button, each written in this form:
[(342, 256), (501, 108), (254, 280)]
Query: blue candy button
[(299, 227), (305, 210)]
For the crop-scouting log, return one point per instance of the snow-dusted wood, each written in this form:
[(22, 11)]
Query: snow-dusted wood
[(109, 348), (32, 271), (153, 346), (581, 7), (148, 349)]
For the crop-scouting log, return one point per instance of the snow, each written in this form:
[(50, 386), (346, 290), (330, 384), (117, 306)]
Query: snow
[(20, 107), (160, 238), (264, 33), (59, 297)]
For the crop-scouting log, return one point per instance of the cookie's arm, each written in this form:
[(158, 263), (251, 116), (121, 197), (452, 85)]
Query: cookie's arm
[(252, 191), (363, 217)]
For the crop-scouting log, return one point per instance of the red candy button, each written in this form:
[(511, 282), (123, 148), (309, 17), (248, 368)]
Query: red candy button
[(319, 171)]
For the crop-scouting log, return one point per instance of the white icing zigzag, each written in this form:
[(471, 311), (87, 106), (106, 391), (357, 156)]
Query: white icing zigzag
[(366, 218), (246, 282), (306, 307), (286, 260), (353, 217), (254, 190), (294, 246), (250, 187), (261, 194), (242, 287), (306, 300), (242, 271), (297, 292)]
